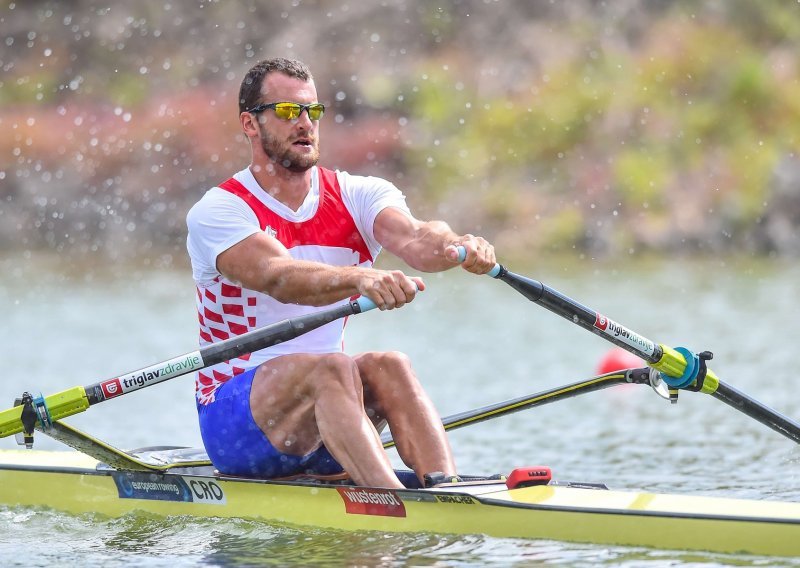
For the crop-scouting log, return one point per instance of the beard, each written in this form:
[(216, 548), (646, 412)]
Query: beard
[(283, 154)]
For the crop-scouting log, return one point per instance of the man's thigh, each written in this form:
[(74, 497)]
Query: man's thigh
[(283, 399), (237, 445)]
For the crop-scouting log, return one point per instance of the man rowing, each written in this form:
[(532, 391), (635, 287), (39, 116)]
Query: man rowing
[(284, 237)]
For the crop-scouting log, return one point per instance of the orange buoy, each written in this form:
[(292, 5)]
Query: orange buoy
[(617, 359)]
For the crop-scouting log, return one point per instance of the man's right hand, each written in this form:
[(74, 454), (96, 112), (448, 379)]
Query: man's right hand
[(389, 289)]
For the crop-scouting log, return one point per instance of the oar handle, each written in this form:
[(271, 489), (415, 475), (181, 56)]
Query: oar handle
[(365, 304), (462, 256)]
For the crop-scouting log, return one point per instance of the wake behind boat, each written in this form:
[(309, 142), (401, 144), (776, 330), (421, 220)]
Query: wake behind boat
[(524, 503)]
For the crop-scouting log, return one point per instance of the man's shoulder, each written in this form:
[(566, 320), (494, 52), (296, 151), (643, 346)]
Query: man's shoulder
[(355, 182), (226, 190), (223, 187), (216, 203), (212, 197)]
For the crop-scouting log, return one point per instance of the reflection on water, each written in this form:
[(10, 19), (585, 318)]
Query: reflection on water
[(474, 341), (258, 546), (86, 540)]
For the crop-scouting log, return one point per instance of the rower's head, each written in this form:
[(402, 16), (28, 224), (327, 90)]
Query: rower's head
[(279, 113)]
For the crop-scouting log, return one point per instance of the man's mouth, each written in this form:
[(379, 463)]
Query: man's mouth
[(304, 142)]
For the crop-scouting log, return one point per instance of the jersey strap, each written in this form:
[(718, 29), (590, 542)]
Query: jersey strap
[(332, 224)]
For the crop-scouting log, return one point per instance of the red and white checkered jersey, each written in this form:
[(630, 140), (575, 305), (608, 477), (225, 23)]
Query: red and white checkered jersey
[(334, 225)]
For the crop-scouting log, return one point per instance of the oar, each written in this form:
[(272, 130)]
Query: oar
[(43, 411), (455, 421), (680, 368)]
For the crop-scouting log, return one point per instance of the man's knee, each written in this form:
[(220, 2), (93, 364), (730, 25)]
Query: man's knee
[(388, 362), (337, 364), (336, 370), (389, 375)]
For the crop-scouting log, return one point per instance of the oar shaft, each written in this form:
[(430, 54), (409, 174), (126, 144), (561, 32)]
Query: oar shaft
[(579, 314), (469, 417), (670, 362), (758, 411), (209, 355), (78, 399)]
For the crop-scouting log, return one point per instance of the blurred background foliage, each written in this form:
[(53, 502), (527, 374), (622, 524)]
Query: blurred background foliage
[(585, 128)]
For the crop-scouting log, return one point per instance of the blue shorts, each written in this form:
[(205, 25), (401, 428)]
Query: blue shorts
[(237, 446)]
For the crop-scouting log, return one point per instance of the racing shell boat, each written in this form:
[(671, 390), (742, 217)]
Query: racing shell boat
[(525, 504)]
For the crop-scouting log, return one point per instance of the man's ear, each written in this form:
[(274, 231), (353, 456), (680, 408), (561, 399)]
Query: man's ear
[(249, 122)]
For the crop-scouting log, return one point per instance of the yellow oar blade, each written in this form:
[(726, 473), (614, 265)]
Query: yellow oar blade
[(60, 405)]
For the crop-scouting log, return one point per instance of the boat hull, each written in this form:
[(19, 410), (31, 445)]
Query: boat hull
[(74, 483)]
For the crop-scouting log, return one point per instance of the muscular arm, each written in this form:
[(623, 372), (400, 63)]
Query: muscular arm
[(261, 263), (430, 246)]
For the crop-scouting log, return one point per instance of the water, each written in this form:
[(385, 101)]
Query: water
[(474, 342)]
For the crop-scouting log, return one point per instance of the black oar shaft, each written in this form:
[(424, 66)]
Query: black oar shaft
[(640, 346), (575, 312), (758, 411), (279, 332), (215, 353)]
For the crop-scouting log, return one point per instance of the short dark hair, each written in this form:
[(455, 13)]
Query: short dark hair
[(250, 89)]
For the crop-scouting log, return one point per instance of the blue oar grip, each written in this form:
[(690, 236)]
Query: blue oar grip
[(462, 255), (365, 304), (689, 374)]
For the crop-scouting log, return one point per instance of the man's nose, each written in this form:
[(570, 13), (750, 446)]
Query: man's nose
[(304, 119)]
